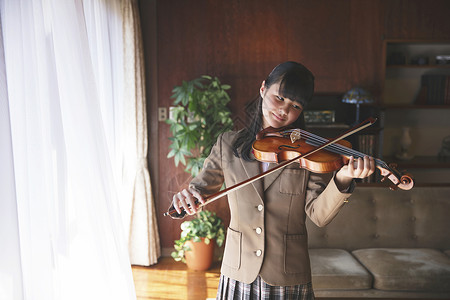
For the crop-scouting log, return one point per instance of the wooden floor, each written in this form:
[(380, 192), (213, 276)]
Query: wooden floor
[(169, 279)]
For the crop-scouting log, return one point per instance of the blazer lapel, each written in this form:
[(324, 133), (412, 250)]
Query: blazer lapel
[(269, 179), (252, 169)]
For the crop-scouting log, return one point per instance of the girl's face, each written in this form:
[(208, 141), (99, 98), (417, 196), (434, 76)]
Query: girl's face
[(278, 111)]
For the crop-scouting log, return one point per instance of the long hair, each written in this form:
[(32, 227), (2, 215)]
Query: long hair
[(296, 83)]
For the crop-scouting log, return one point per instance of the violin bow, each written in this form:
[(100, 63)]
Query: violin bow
[(366, 123)]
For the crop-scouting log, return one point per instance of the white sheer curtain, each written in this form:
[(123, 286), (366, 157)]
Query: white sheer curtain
[(143, 242), (61, 120), (10, 267)]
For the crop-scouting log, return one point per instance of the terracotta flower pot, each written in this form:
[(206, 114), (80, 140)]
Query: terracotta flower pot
[(200, 256)]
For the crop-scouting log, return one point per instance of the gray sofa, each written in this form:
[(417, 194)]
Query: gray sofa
[(385, 244)]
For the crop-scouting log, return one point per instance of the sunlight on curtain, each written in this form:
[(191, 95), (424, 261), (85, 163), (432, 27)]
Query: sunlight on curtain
[(62, 94), (10, 268), (143, 242)]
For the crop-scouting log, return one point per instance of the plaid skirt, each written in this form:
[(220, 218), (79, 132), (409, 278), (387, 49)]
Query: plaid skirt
[(230, 289)]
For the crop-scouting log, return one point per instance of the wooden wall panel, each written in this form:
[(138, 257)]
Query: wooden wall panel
[(417, 19), (241, 41), (365, 46), (340, 41), (318, 35)]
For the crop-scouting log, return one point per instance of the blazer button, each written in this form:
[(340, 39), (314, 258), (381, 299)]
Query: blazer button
[(258, 230), (258, 253), (260, 207)]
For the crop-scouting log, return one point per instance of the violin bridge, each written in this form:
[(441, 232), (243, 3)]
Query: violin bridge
[(295, 135)]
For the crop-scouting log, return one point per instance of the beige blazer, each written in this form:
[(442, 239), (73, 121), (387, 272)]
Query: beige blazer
[(267, 234)]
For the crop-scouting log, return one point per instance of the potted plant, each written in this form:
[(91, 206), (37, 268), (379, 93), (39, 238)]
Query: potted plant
[(196, 244), (198, 116)]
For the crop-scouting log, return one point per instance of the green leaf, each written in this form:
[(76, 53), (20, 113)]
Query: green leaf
[(199, 115), (171, 153), (169, 121), (179, 157)]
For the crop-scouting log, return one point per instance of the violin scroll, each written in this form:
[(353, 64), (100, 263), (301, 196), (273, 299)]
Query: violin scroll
[(400, 180), (407, 182)]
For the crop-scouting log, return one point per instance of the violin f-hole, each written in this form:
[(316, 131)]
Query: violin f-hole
[(281, 147)]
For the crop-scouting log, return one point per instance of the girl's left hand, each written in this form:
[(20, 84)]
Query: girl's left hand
[(356, 168)]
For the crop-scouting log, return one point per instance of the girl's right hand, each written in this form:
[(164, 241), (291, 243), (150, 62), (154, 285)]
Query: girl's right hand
[(186, 199)]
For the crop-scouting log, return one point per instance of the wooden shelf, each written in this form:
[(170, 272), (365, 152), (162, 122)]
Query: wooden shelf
[(417, 41), (404, 101), (414, 106), (342, 127), (418, 66), (419, 162)]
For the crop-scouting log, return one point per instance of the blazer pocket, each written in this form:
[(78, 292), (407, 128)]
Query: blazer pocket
[(296, 259), (232, 252), (292, 181)]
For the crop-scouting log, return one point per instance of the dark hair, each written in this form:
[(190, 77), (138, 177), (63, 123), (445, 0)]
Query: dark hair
[(296, 83)]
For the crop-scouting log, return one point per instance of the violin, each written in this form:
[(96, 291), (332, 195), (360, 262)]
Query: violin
[(282, 145), (313, 153)]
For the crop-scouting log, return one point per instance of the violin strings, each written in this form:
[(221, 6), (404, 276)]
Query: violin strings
[(316, 140), (337, 148)]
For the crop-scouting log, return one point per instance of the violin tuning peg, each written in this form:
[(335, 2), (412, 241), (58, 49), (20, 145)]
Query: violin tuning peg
[(384, 178), (295, 135)]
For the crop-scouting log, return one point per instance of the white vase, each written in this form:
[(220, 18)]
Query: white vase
[(405, 144)]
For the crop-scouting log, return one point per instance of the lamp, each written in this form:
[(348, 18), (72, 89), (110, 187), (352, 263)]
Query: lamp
[(357, 96)]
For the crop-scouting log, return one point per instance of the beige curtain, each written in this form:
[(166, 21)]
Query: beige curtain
[(143, 241)]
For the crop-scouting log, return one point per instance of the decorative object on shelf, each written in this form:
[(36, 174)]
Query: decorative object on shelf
[(357, 96), (319, 116), (435, 89), (442, 59), (444, 154), (405, 144), (419, 60)]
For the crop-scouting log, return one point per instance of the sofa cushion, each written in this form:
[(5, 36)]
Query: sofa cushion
[(376, 217), (407, 269), (337, 269)]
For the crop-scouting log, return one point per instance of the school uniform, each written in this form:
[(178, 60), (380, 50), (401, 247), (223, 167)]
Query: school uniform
[(267, 235)]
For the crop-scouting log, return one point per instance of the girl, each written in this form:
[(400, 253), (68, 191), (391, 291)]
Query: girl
[(266, 251)]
